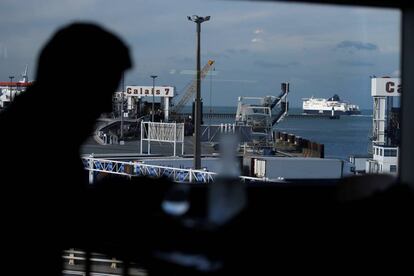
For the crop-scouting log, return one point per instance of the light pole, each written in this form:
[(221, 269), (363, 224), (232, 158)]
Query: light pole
[(122, 108), (197, 112), (153, 97)]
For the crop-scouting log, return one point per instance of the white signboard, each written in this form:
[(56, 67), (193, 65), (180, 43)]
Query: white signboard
[(146, 91), (386, 87)]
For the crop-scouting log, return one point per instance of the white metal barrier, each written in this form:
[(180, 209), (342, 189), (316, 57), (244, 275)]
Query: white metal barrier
[(162, 132), (96, 165), (72, 260), (103, 265)]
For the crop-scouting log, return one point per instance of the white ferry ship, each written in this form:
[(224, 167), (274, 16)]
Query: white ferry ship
[(329, 106), (9, 89)]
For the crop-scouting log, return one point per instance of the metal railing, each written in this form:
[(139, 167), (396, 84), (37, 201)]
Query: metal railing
[(74, 263), (97, 165)]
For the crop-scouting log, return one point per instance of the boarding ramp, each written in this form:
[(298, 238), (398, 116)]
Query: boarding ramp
[(281, 114), (281, 104), (108, 129)]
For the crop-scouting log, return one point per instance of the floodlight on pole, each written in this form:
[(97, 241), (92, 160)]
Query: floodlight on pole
[(197, 112), (153, 95)]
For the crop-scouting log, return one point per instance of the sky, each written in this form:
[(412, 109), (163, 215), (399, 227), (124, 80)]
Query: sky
[(320, 50)]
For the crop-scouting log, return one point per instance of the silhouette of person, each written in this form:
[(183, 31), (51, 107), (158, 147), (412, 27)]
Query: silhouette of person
[(42, 174)]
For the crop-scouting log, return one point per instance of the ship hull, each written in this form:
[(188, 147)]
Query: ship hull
[(329, 112)]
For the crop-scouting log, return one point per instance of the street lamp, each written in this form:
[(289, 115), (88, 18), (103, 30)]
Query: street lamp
[(122, 108), (153, 97), (197, 113)]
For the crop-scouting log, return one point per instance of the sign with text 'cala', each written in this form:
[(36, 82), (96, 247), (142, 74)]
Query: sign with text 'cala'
[(146, 91), (386, 87)]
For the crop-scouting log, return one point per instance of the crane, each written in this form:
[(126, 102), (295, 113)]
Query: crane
[(191, 88)]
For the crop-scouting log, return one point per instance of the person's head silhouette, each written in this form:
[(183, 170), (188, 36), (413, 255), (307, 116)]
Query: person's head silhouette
[(78, 70)]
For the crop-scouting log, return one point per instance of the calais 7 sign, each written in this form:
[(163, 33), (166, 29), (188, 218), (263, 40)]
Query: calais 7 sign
[(146, 91)]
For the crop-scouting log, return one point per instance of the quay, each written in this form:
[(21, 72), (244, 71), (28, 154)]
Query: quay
[(233, 116)]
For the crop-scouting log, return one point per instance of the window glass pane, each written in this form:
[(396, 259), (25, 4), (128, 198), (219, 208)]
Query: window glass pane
[(303, 86), (327, 57)]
